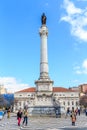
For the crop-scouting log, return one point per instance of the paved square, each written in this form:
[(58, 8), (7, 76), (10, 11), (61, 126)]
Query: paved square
[(44, 123)]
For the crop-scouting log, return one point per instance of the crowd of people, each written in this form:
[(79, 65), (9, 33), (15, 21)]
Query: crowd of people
[(22, 115), (73, 114)]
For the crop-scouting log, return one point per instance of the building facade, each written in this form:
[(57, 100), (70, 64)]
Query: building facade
[(66, 98)]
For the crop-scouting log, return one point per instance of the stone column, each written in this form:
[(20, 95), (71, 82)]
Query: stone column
[(44, 84), (43, 50)]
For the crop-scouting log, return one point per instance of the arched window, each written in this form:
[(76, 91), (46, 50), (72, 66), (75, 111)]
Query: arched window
[(77, 103), (19, 103), (68, 103), (72, 103), (63, 102)]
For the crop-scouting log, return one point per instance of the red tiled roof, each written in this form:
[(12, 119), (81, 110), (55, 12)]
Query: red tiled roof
[(55, 89), (61, 89), (33, 89)]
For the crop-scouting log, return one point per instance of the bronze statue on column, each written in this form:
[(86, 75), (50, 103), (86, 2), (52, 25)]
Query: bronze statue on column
[(43, 18)]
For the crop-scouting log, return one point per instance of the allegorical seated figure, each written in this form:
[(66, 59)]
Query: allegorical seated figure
[(43, 19)]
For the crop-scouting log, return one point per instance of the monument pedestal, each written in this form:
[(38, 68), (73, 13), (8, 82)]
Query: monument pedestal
[(48, 111), (44, 86)]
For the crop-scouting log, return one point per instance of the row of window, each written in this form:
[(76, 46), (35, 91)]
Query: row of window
[(63, 95), (62, 103), (44, 99), (27, 95), (71, 103)]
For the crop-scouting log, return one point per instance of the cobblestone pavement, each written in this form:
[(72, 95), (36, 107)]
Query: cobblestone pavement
[(44, 123)]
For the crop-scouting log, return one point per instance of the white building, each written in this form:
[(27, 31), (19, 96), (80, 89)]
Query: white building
[(65, 97), (45, 97)]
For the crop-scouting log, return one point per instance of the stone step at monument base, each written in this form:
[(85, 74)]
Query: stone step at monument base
[(42, 111), (43, 115)]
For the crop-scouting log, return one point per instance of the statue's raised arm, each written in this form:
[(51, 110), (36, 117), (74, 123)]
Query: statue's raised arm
[(43, 19)]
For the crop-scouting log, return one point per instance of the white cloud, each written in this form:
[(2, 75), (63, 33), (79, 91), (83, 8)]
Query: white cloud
[(11, 84), (75, 81), (70, 8), (84, 65), (81, 69), (77, 18)]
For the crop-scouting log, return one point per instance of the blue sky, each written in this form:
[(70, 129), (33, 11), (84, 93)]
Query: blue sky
[(20, 42)]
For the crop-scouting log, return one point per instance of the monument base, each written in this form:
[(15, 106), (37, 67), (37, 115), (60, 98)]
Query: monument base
[(43, 111)]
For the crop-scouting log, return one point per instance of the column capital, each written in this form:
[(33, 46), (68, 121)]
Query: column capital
[(43, 31)]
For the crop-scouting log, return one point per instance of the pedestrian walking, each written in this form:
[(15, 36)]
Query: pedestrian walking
[(79, 112), (8, 113), (67, 112), (19, 117), (25, 120), (73, 118), (76, 111)]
